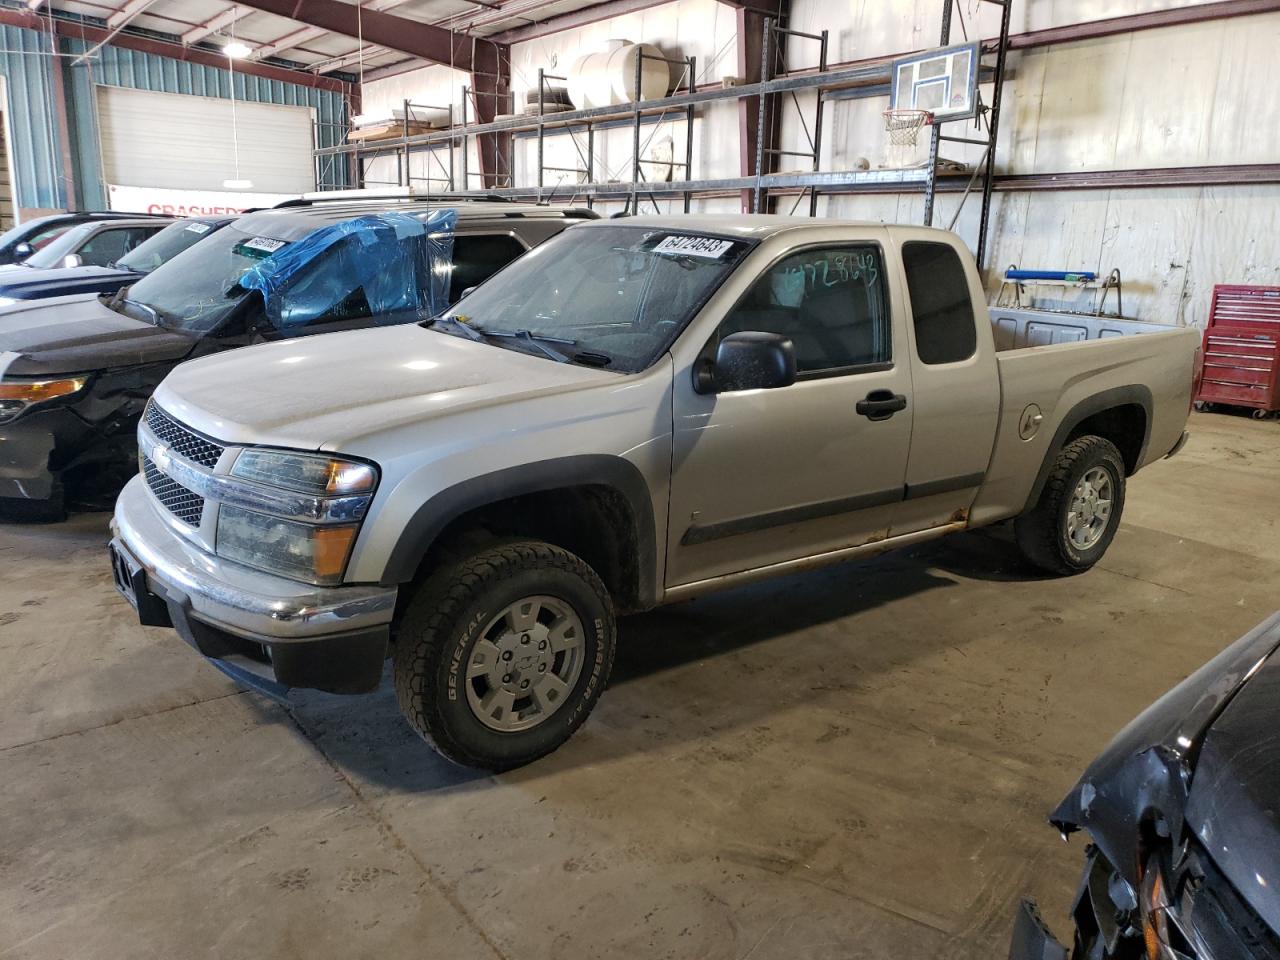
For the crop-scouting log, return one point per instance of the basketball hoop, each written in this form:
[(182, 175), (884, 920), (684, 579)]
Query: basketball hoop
[(903, 124)]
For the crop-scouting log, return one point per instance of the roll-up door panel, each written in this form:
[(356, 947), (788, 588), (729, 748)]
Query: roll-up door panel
[(184, 142)]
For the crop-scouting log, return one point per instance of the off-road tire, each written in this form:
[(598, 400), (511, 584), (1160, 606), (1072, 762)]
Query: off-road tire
[(1041, 532), (442, 624)]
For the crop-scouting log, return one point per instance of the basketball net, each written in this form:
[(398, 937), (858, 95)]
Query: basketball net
[(902, 126)]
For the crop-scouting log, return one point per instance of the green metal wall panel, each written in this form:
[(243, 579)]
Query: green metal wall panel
[(26, 62)]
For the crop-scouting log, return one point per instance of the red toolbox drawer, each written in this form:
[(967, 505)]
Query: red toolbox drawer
[(1242, 348)]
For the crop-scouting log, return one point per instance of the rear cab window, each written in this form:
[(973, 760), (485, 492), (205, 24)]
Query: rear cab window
[(941, 306)]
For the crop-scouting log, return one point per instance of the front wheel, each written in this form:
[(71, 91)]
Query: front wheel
[(500, 658), (1075, 520)]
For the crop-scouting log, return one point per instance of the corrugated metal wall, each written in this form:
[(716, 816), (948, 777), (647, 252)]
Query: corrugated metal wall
[(26, 65)]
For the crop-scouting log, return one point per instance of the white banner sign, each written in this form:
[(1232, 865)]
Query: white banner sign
[(188, 203)]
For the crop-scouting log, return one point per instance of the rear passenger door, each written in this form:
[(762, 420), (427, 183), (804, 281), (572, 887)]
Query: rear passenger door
[(957, 385), (765, 476)]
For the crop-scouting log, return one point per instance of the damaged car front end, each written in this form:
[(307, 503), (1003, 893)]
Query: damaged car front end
[(1182, 811)]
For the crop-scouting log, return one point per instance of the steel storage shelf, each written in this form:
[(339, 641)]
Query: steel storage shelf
[(864, 79)]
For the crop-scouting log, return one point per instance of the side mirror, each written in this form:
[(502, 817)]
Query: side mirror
[(468, 292), (23, 250), (749, 360), (72, 260)]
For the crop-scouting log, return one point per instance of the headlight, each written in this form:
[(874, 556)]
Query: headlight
[(299, 551), (297, 516), (17, 395)]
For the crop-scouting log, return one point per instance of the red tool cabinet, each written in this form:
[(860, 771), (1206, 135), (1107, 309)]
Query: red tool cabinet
[(1242, 348)]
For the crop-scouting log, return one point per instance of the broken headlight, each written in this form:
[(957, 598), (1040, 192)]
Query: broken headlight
[(17, 395), (296, 515)]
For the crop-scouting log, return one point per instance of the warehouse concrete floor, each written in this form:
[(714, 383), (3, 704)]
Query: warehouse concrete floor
[(851, 763)]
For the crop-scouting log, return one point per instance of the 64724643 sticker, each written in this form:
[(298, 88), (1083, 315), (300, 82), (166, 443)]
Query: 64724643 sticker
[(706, 248)]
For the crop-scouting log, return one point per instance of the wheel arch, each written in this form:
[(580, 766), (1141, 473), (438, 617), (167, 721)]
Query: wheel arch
[(1121, 415), (596, 506)]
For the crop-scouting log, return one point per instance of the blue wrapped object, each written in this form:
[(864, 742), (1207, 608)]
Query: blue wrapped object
[(377, 266), (1069, 276)]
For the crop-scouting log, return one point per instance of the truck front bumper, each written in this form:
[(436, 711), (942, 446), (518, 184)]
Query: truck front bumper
[(266, 631)]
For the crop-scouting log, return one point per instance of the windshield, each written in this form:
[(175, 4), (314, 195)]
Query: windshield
[(615, 294), (165, 245), (53, 253), (199, 287), (35, 232)]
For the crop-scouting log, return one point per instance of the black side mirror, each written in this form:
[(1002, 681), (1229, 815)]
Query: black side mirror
[(23, 250), (749, 360)]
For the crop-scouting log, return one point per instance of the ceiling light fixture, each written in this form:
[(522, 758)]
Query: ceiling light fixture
[(237, 50)]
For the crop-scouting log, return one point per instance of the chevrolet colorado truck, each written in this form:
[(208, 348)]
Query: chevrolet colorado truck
[(636, 412)]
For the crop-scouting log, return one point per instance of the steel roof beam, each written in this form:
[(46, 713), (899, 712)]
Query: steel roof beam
[(423, 40), (215, 24)]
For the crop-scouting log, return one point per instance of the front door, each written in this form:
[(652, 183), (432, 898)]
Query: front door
[(764, 476)]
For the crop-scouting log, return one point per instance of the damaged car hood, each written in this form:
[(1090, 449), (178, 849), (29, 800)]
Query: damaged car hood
[(1235, 793), (1152, 764), (79, 333)]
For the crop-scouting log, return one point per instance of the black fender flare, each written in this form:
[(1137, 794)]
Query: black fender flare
[(616, 473), (1132, 395)]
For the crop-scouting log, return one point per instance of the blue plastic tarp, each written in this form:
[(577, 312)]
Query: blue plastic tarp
[(369, 266)]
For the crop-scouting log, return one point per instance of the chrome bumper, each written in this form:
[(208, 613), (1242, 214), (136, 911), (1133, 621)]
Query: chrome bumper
[(236, 599)]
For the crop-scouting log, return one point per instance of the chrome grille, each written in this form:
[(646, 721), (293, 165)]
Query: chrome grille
[(177, 499), (185, 443)]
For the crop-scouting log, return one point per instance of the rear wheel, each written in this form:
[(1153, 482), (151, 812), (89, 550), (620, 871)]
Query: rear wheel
[(500, 658), (1075, 520)]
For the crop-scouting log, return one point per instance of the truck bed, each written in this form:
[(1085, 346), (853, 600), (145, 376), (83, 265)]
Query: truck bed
[(1015, 329), (1126, 362)]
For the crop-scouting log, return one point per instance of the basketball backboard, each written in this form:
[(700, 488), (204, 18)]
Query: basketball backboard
[(943, 81)]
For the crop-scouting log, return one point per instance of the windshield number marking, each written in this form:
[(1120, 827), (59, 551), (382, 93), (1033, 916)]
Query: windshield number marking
[(265, 244), (198, 227), (707, 248)]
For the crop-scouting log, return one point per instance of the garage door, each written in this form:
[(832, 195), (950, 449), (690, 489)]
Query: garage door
[(172, 140)]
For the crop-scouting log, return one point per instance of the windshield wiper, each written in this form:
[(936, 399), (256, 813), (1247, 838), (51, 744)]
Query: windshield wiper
[(455, 324), (534, 339)]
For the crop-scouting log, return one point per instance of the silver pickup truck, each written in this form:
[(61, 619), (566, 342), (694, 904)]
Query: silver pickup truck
[(636, 412)]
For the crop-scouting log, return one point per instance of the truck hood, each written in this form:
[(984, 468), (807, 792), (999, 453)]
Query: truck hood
[(79, 333), (1233, 805), (325, 391), (28, 284)]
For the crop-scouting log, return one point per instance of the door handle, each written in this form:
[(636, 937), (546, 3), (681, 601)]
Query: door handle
[(881, 404)]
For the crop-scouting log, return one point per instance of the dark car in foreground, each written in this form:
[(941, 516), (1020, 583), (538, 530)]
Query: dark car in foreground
[(32, 283), (1184, 811), (76, 372), (20, 242)]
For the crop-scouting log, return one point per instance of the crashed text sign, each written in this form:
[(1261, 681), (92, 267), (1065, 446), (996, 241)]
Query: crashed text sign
[(188, 203)]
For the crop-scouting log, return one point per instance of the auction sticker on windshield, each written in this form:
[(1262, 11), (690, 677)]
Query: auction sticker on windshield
[(198, 227), (265, 244), (708, 248)]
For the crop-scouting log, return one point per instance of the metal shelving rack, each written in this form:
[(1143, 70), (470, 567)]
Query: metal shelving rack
[(828, 82)]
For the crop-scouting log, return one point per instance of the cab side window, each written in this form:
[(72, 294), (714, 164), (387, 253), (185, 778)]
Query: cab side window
[(830, 302), (941, 308), (108, 246), (477, 257)]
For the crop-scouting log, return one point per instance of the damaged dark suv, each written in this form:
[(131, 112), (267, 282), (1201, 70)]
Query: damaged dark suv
[(75, 374), (1184, 811)]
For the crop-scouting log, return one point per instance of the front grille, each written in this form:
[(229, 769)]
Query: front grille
[(1221, 922), (182, 441), (177, 499)]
